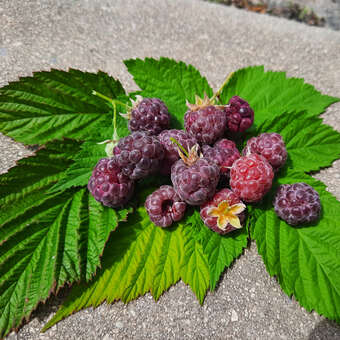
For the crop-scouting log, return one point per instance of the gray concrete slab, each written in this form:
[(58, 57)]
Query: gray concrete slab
[(99, 34)]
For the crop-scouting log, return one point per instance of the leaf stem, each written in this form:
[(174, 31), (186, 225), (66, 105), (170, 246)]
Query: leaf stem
[(115, 134), (217, 94), (110, 100), (180, 146)]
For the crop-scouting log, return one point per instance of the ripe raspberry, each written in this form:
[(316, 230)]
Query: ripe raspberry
[(224, 153), (251, 177), (164, 206), (224, 213), (297, 203), (240, 115), (171, 150), (149, 114), (204, 121), (139, 155), (109, 185), (195, 179), (269, 145)]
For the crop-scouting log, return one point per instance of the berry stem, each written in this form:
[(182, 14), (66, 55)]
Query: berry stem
[(180, 146), (110, 100), (217, 94)]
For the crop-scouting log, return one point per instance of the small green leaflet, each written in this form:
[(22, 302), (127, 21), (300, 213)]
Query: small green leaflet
[(310, 144), (141, 257), (171, 81), (272, 93), (56, 104), (304, 259), (46, 240)]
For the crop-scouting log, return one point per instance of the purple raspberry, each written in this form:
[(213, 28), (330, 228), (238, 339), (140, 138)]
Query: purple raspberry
[(149, 114), (109, 185), (195, 179), (297, 203), (164, 206), (223, 153), (269, 145), (139, 155), (240, 115), (204, 121), (171, 150)]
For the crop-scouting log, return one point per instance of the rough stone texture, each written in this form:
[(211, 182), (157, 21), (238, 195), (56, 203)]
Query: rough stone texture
[(327, 9), (99, 34)]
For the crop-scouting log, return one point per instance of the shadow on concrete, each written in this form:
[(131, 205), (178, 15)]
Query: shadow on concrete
[(325, 330)]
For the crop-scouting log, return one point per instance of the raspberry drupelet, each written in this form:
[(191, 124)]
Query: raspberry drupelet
[(164, 206), (251, 177), (109, 185), (297, 203)]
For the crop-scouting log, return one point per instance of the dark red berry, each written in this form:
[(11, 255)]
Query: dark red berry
[(139, 155), (206, 123), (269, 145), (196, 183), (224, 153), (297, 203), (171, 149), (240, 115), (224, 213), (150, 115), (109, 185), (251, 177), (164, 206)]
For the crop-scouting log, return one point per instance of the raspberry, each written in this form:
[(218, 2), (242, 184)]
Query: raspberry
[(164, 206), (171, 150), (269, 145), (109, 185), (251, 177), (224, 213), (297, 203), (195, 183), (204, 121), (240, 115), (139, 155), (224, 153), (149, 114)]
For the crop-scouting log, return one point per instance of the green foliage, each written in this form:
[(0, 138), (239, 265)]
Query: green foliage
[(140, 258), (53, 232), (310, 144), (171, 81), (56, 104), (305, 259), (79, 172), (272, 93), (46, 239)]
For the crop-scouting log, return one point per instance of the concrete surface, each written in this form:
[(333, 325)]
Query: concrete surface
[(327, 9), (92, 35)]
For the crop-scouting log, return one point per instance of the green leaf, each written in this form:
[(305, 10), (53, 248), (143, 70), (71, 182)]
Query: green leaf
[(56, 104), (221, 250), (310, 144), (141, 257), (270, 93), (171, 81), (46, 239), (79, 173), (306, 260)]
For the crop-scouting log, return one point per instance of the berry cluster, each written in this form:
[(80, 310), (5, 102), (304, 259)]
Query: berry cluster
[(196, 159)]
